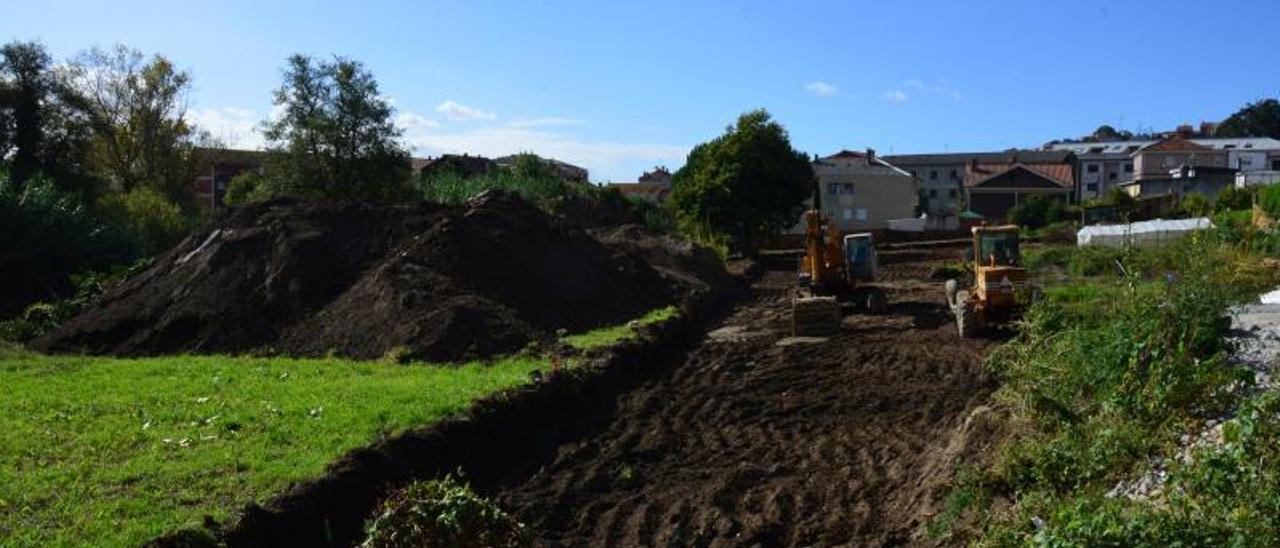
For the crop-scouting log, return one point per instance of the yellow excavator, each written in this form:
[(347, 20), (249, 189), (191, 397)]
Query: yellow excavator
[(1001, 290), (834, 269)]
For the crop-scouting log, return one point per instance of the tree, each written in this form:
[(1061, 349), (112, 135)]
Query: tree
[(1258, 119), (43, 128), (744, 184), (335, 137), (138, 112)]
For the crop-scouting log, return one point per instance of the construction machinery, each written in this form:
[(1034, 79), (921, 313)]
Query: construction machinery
[(1000, 291), (834, 270)]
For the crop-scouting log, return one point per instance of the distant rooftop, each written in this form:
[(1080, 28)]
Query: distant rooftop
[(1003, 157)]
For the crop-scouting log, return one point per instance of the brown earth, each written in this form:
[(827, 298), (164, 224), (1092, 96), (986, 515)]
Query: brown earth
[(427, 281), (851, 441)]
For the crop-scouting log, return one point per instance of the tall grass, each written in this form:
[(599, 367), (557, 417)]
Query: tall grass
[(1091, 398)]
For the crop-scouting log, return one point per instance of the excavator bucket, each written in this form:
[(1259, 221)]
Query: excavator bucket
[(815, 317)]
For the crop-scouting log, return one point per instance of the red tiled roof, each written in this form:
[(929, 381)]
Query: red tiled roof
[(1175, 144), (1060, 174)]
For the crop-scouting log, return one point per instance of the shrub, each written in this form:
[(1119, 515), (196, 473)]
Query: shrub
[(445, 513), (1039, 211), (246, 187), (47, 236), (1194, 205), (1235, 199), (41, 317), (152, 219), (1269, 200)]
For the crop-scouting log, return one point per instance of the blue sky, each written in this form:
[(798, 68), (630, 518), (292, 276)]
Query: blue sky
[(619, 87)]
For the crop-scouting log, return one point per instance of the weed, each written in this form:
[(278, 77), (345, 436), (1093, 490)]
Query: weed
[(443, 512)]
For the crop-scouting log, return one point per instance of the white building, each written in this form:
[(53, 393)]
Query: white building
[(860, 191)]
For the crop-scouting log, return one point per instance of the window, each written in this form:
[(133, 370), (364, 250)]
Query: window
[(951, 193), (847, 214), (862, 214), (1275, 165), (840, 188), (933, 175), (1128, 168), (1111, 176), (933, 193), (912, 172), (1093, 168), (1091, 187), (954, 176)]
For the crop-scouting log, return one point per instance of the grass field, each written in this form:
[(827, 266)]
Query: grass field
[(114, 452)]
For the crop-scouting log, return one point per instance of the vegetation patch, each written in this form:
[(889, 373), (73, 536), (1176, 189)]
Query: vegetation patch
[(606, 336), (113, 451), (445, 513), (1105, 379)]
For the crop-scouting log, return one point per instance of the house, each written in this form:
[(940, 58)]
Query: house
[(1101, 166), (994, 188), (1157, 160), (223, 165), (946, 178), (1182, 180), (653, 186), (1105, 165), (860, 191)]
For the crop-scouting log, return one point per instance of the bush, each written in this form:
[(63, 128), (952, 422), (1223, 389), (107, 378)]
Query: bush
[(246, 187), (1269, 200), (445, 513), (1096, 393), (1235, 199), (47, 236), (152, 219), (1039, 211), (1194, 205), (42, 317)]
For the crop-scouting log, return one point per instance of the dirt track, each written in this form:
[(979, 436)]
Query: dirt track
[(849, 441)]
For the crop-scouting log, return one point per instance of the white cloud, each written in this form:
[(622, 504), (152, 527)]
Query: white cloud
[(821, 89), (939, 88), (413, 120), (460, 112), (540, 122), (233, 127), (605, 160), (895, 96)]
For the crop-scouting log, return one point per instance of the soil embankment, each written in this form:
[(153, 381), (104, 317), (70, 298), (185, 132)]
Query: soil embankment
[(427, 281)]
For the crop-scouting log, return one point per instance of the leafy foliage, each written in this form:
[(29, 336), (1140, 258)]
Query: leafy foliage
[(43, 125), (743, 185), (1095, 391), (137, 111), (1258, 119), (1234, 199), (49, 235), (1039, 211), (1195, 205), (335, 137), (151, 218), (445, 513)]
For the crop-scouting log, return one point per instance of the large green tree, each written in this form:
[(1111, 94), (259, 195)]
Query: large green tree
[(43, 127), (334, 137), (138, 110), (1258, 119), (743, 185)]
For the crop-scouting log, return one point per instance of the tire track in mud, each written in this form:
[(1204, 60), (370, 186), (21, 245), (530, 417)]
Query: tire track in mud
[(850, 441)]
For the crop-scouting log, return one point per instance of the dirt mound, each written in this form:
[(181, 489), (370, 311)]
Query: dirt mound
[(358, 280), (682, 263)]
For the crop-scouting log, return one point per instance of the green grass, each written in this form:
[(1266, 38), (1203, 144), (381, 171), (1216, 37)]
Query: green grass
[(609, 335), (112, 452)]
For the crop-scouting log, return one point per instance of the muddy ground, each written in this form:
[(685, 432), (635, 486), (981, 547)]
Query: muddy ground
[(851, 441)]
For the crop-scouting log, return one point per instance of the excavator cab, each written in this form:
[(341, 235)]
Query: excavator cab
[(860, 257)]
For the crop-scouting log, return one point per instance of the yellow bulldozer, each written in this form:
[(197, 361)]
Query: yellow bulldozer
[(834, 270), (1001, 290)]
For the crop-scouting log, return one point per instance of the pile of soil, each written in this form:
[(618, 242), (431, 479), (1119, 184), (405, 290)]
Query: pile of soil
[(429, 281)]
